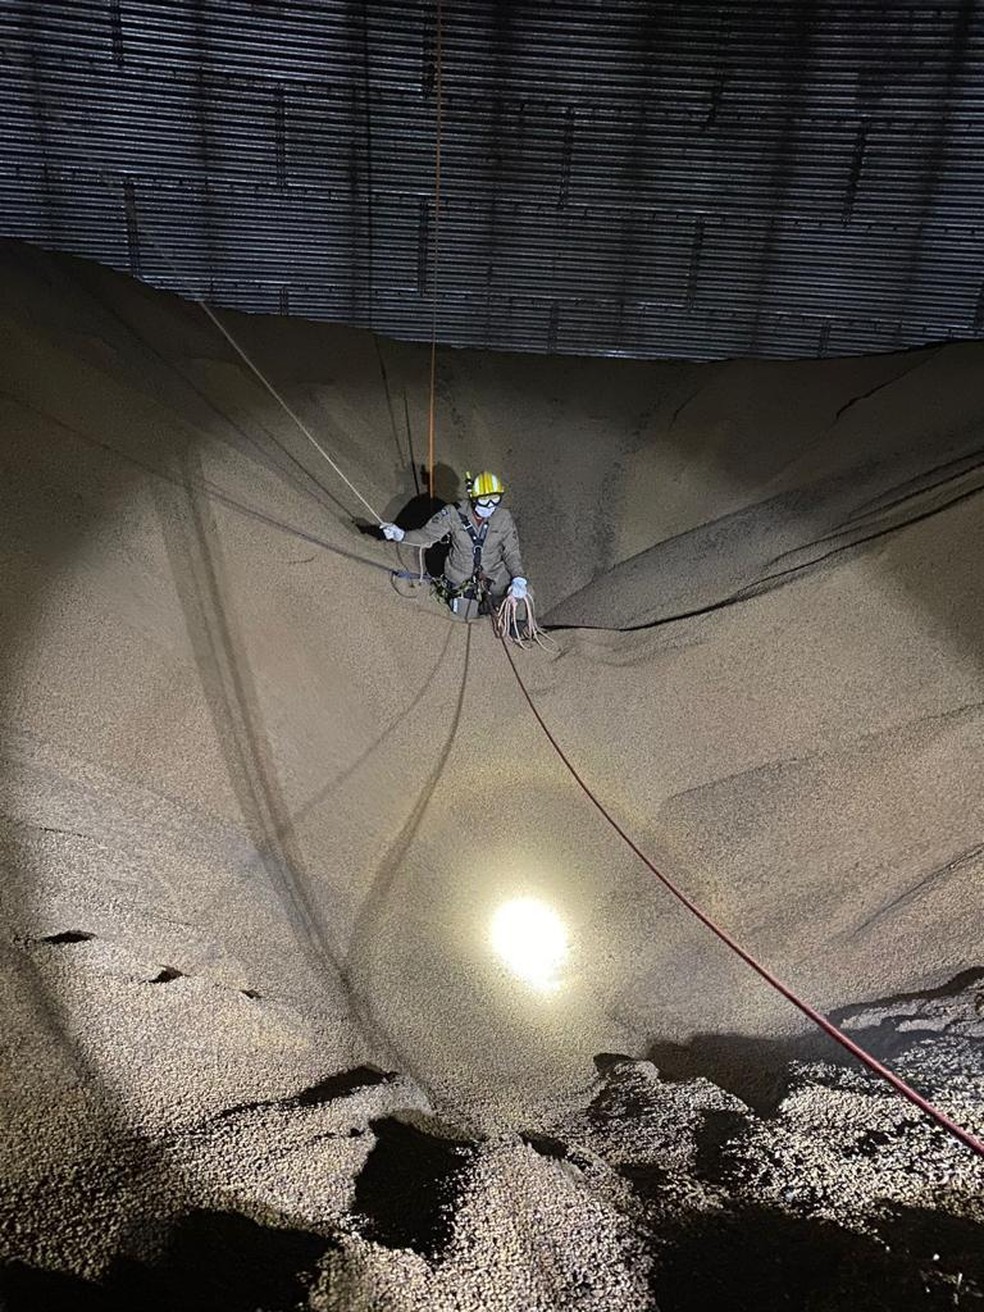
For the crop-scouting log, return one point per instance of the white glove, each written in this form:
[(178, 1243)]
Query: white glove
[(391, 533), (517, 589)]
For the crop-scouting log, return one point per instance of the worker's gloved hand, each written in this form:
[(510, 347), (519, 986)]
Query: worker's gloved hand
[(517, 589), (391, 533)]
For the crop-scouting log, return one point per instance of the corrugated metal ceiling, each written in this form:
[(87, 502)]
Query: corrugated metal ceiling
[(763, 177)]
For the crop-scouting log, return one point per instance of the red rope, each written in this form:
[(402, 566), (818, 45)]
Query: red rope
[(437, 212), (873, 1064)]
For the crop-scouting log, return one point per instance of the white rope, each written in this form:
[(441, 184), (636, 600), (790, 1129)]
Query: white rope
[(267, 384), (506, 623), (273, 392)]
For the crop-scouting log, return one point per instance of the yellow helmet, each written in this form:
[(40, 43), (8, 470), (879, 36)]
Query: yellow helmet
[(484, 485)]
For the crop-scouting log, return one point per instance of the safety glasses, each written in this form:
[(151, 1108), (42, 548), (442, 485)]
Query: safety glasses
[(486, 502)]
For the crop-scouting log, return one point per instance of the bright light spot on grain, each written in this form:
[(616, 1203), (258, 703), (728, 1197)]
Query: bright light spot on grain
[(530, 939)]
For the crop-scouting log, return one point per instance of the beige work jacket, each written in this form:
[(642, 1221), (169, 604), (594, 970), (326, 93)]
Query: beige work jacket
[(500, 561)]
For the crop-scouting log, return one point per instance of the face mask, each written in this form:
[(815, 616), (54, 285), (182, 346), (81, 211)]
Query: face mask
[(486, 505)]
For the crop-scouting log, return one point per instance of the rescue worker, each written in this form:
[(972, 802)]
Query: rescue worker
[(483, 562)]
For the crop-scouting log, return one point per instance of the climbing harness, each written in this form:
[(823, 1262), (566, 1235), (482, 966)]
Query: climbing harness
[(476, 588), (474, 592), (470, 599), (511, 630), (508, 630), (478, 536)]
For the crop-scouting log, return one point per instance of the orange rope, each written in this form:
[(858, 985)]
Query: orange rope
[(863, 1055), (437, 209)]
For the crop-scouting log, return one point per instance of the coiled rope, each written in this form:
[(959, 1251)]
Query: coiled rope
[(945, 1122), (941, 1119)]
